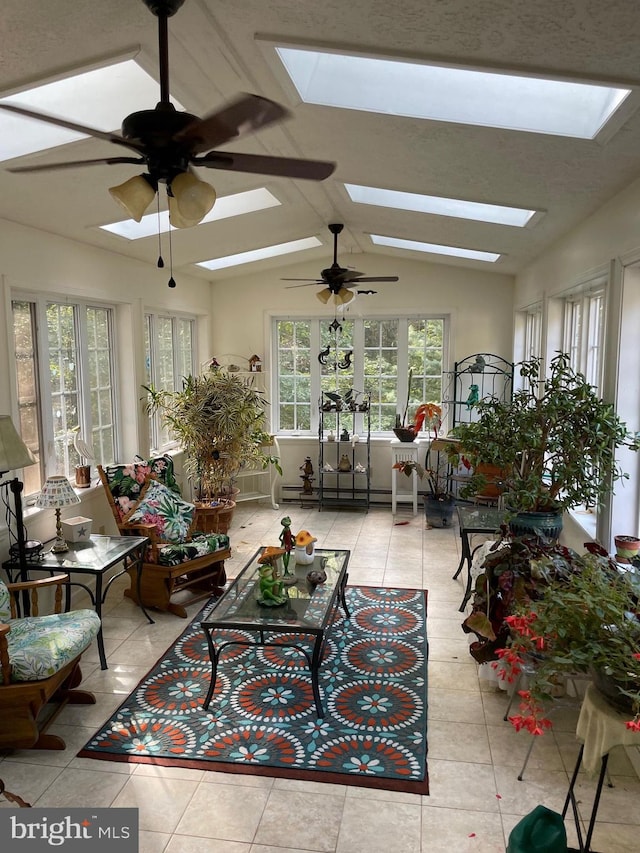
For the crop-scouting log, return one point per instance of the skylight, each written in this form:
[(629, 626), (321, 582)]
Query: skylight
[(100, 98), (440, 206), (434, 248), (260, 254), (458, 95), (225, 207)]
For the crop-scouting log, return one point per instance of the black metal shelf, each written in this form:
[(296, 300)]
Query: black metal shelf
[(344, 488)]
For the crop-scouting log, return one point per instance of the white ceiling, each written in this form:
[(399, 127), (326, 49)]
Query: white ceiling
[(214, 54)]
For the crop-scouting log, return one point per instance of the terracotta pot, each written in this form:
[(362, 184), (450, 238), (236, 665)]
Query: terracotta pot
[(493, 475), (214, 517), (627, 547)]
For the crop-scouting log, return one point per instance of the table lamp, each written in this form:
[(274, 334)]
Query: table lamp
[(56, 493), (14, 454)]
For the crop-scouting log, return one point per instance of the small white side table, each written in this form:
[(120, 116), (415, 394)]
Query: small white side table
[(404, 451)]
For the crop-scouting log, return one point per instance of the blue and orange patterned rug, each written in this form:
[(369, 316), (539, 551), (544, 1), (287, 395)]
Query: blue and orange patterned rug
[(262, 718)]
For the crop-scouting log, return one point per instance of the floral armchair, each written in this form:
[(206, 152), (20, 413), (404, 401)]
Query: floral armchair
[(145, 501), (39, 661)]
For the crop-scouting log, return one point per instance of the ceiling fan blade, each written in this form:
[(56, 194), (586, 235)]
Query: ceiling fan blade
[(70, 125), (376, 278), (312, 280), (246, 114), (282, 167), (291, 286), (73, 164)]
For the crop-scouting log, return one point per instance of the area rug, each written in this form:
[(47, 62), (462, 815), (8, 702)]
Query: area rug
[(262, 719)]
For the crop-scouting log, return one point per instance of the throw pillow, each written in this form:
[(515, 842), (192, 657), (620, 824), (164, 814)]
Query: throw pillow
[(171, 516)]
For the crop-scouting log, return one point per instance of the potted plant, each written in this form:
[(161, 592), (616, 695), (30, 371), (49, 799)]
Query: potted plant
[(583, 622), (554, 442), (219, 421), (427, 416)]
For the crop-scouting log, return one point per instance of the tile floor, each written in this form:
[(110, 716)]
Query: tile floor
[(474, 757)]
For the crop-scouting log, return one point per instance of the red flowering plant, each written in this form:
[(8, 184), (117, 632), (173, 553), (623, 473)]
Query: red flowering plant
[(515, 572), (585, 622)]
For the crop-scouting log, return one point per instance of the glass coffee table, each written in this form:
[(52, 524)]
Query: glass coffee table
[(307, 611)]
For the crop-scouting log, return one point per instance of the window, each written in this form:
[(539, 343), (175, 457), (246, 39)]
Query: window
[(373, 355), (170, 356), (533, 334), (63, 355), (584, 316)]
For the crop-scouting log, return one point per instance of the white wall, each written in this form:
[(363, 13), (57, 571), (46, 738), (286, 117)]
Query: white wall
[(43, 263), (479, 304)]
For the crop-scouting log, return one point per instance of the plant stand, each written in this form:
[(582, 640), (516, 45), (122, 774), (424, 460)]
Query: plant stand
[(403, 451), (600, 728)]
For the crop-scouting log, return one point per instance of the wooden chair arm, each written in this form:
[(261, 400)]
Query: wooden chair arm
[(34, 587), (5, 666)]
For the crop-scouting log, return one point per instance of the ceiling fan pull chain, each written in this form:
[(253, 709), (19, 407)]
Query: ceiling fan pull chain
[(160, 258), (172, 281)]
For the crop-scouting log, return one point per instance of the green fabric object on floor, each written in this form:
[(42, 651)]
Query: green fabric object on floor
[(541, 831)]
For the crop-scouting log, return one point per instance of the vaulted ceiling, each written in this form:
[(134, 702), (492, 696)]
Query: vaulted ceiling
[(219, 48)]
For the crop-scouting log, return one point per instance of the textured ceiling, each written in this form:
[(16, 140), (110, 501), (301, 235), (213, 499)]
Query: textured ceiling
[(214, 54)]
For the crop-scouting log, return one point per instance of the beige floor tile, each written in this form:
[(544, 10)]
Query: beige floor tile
[(445, 628), (373, 826), (459, 831), (615, 838), (462, 785), (186, 844), (454, 651), (224, 812), (545, 787), (153, 842), (161, 802), (25, 780), (75, 787), (509, 749), (452, 676), (312, 819), (458, 742), (617, 805), (456, 706)]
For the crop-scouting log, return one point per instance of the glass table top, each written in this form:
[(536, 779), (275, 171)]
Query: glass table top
[(307, 607), (479, 518)]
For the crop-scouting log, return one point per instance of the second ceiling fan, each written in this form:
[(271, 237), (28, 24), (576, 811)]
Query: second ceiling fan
[(338, 281)]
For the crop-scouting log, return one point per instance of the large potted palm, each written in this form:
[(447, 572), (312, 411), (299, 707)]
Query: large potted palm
[(555, 443), (219, 421)]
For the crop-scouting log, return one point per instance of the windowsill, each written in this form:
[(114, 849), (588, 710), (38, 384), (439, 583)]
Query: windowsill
[(586, 520)]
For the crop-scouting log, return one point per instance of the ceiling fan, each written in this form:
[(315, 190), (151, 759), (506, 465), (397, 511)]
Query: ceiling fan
[(168, 144), (337, 280)]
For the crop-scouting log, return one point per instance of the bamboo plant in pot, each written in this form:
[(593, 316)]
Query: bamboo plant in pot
[(219, 421), (555, 442)]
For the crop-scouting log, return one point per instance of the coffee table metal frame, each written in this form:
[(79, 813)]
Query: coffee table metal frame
[(308, 611)]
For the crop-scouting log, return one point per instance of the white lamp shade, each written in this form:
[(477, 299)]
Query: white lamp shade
[(194, 197), (14, 453), (56, 492), (135, 195)]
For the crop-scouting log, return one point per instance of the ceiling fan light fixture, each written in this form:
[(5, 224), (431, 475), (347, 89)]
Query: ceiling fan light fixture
[(194, 198), (324, 295), (135, 195), (176, 219), (343, 296)]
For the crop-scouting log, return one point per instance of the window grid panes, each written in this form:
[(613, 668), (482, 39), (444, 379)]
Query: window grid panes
[(533, 335), (169, 358), (370, 355), (48, 367), (25, 347), (584, 334)]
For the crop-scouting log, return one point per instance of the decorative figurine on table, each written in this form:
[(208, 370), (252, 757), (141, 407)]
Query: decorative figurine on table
[(305, 548), (271, 584), (473, 397), (287, 542), (344, 464)]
